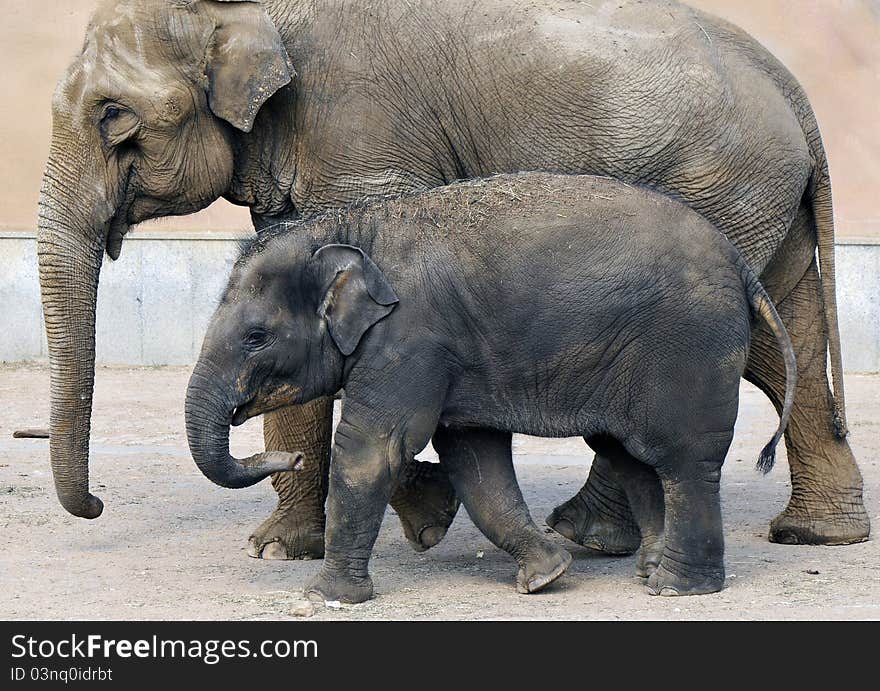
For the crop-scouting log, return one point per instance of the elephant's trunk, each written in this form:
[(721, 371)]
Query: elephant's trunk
[(208, 418), (70, 254)]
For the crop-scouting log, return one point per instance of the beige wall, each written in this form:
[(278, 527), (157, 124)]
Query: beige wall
[(832, 46), (38, 38)]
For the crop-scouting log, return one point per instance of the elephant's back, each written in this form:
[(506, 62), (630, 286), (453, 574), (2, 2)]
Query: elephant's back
[(651, 92), (603, 29)]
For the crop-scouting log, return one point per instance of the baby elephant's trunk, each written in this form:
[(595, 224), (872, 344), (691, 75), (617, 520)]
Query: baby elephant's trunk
[(208, 418), (762, 305)]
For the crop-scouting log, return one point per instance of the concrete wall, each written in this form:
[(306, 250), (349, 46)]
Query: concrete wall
[(153, 307), (858, 295)]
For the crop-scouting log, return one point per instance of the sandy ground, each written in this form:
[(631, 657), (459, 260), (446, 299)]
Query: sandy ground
[(170, 545)]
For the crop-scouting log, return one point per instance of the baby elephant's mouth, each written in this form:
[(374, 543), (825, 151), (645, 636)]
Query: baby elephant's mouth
[(242, 413), (283, 396)]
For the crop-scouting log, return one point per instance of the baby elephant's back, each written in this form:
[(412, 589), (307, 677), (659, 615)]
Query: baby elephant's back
[(600, 277), (588, 244), (593, 226)]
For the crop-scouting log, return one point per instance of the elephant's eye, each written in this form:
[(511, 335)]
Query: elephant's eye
[(118, 125), (257, 339)]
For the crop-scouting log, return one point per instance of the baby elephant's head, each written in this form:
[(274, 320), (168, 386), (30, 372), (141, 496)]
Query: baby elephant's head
[(280, 336)]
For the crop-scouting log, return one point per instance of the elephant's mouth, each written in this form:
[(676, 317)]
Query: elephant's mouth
[(243, 413), (121, 221), (260, 404), (117, 228)]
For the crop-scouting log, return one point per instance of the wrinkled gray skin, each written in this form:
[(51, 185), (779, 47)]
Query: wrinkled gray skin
[(291, 106), (550, 305)]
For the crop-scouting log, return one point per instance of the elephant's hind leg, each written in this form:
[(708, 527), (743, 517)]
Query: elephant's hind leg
[(826, 506), (693, 553), (598, 516), (295, 530)]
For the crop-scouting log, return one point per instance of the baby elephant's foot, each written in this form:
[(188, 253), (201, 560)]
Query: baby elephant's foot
[(671, 583), (541, 568), (426, 504), (648, 557), (582, 523), (332, 586)]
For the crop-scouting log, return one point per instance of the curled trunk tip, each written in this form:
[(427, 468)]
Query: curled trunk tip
[(207, 430)]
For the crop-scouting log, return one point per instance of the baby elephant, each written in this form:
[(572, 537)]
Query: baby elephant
[(549, 305)]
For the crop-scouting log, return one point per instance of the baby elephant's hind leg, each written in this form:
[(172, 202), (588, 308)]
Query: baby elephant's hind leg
[(645, 495), (693, 554), (480, 466)]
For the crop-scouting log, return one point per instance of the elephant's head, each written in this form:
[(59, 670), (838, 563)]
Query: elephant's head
[(145, 122), (280, 336)]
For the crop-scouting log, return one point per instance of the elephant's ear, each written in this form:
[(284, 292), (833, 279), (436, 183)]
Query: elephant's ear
[(246, 61), (354, 293)]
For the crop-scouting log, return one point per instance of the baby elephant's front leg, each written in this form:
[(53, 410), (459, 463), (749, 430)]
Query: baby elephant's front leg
[(480, 466), (363, 470)]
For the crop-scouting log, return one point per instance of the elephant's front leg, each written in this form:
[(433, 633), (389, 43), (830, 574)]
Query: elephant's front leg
[(295, 530), (424, 498), (425, 502), (366, 463)]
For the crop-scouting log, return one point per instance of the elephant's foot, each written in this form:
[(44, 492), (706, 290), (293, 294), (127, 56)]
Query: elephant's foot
[(288, 535), (541, 568), (593, 526), (648, 557), (669, 583), (799, 525), (329, 586), (426, 504), (826, 505)]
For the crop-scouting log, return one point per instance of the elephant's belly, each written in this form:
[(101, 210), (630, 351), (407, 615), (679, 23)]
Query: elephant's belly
[(541, 412)]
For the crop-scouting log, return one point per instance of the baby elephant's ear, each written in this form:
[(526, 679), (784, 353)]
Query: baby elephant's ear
[(355, 293)]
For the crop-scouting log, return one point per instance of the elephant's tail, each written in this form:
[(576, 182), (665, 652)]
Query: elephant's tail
[(763, 307), (823, 213), (818, 193)]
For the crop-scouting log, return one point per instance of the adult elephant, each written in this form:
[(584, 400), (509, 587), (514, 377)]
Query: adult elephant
[(174, 103)]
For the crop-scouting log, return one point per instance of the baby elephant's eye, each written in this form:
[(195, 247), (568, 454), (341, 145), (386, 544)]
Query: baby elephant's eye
[(111, 112), (257, 338)]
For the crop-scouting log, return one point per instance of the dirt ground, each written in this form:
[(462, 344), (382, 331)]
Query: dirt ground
[(170, 545)]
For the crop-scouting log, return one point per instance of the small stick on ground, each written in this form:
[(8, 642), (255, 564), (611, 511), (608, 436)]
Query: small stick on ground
[(32, 433)]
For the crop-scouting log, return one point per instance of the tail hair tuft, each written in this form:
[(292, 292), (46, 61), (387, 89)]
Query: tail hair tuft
[(767, 457)]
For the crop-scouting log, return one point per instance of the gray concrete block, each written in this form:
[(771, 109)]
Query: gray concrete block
[(858, 299), (168, 274), (209, 285), (119, 321), (20, 310), (154, 304)]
